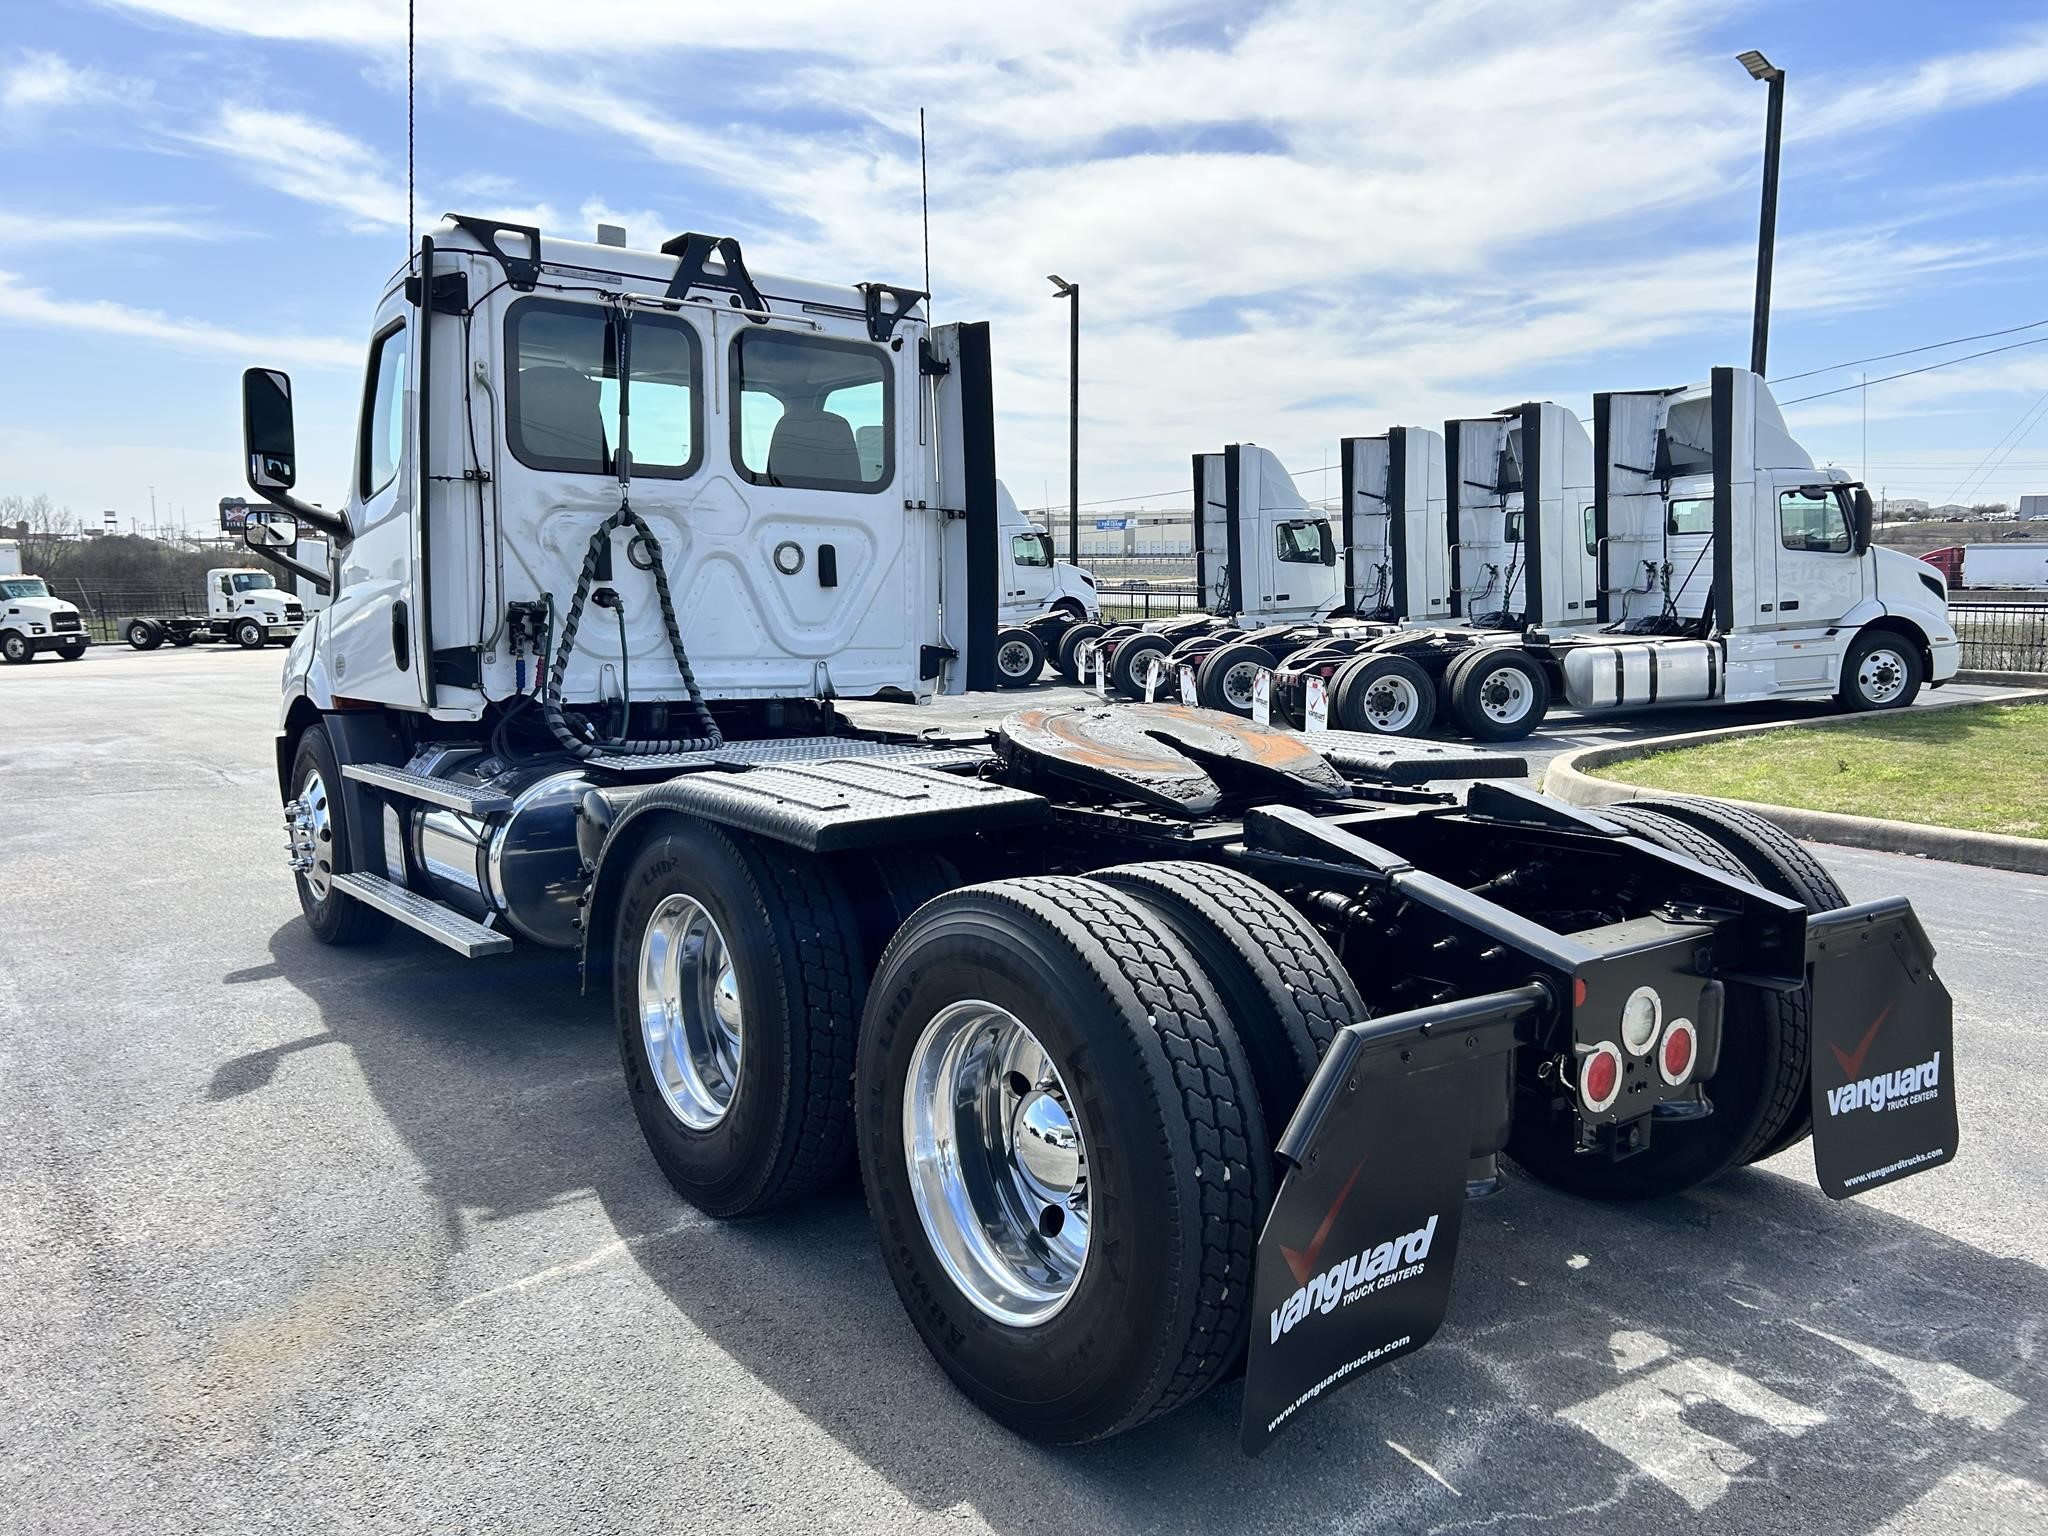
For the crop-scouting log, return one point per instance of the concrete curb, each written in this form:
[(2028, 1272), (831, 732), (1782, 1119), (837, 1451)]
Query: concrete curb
[(2003, 679), (1566, 779)]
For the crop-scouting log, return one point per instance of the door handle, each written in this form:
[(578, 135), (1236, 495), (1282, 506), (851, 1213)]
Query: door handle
[(1788, 607)]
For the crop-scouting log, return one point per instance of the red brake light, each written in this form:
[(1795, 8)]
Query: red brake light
[(1678, 1053), (1600, 1077)]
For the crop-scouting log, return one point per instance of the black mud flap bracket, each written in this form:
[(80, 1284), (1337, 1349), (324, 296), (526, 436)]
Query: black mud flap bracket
[(1883, 1071), (1354, 1265)]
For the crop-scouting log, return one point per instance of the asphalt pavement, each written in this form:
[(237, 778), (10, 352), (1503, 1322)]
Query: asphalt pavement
[(368, 1240)]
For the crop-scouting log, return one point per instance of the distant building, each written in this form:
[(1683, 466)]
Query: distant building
[(2032, 507)]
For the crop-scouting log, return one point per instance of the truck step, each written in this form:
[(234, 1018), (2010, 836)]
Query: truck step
[(442, 924), (418, 786)]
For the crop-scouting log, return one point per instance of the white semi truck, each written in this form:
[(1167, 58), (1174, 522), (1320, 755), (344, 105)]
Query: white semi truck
[(31, 619), (1043, 598), (1155, 1036), (1720, 566), (244, 607)]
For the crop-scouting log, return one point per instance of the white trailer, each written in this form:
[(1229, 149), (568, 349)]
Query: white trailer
[(2013, 566)]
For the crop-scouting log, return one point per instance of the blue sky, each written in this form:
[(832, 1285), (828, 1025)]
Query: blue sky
[(1292, 222)]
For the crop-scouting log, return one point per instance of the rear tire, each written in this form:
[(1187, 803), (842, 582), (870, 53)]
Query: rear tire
[(1223, 680), (143, 635), (1281, 984), (1883, 670), (1755, 1088), (1777, 862), (1067, 652), (1385, 695), (317, 784), (1497, 693), (737, 987), (1127, 666), (1158, 1106)]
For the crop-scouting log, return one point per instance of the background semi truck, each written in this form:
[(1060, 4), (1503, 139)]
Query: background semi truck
[(244, 607), (1128, 1014), (31, 620)]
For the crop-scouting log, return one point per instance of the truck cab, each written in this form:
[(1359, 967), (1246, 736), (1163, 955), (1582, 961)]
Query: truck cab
[(1519, 487), (1262, 553), (237, 596), (1396, 551), (1034, 581), (33, 621)]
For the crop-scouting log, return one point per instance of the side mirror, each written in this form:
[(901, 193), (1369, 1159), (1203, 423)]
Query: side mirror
[(1866, 520), (267, 436), (275, 530)]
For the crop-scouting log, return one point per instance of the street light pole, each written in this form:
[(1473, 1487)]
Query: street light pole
[(1761, 68), (1062, 289)]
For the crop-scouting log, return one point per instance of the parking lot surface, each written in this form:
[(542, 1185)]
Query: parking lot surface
[(368, 1240)]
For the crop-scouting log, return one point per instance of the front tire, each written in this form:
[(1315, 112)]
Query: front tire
[(249, 635), (1883, 670), (15, 649), (736, 983), (322, 839), (1064, 1155)]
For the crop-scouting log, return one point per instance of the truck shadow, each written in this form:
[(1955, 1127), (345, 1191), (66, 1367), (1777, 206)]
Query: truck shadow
[(1748, 1357)]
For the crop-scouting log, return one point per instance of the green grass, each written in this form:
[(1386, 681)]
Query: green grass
[(1983, 768)]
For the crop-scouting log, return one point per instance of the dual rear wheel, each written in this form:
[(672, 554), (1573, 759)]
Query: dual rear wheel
[(1064, 1094)]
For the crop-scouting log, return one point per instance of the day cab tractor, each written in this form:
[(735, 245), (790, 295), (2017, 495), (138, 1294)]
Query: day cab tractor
[(33, 621), (244, 607), (1167, 1047), (1043, 598)]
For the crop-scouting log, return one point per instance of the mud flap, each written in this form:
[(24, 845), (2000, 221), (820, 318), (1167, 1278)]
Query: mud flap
[(1883, 1072), (1354, 1264)]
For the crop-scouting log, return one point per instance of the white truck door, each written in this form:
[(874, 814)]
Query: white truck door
[(1025, 557), (1806, 526), (220, 595)]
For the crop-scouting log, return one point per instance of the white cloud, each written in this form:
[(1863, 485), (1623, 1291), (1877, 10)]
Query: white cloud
[(24, 304), (22, 229), (42, 81), (309, 160)]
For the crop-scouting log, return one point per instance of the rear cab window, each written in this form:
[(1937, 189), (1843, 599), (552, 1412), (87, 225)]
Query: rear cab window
[(814, 412), (381, 447), (562, 396)]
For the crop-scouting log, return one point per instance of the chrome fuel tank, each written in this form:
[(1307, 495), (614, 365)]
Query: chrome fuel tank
[(1641, 672), (520, 863)]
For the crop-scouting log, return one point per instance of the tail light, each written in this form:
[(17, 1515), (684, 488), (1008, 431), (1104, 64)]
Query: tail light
[(1678, 1052), (1600, 1077)]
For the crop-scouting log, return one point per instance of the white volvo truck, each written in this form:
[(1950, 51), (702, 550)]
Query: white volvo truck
[(1726, 568), (31, 619), (1166, 1046), (1043, 598), (244, 607)]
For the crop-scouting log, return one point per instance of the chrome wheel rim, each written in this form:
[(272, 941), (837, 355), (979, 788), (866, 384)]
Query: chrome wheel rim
[(1238, 683), (1505, 695), (1391, 704), (313, 836), (998, 1164), (1882, 675), (1014, 658), (691, 1018)]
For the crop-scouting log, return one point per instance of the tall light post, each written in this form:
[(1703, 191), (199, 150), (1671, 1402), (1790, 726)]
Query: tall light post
[(1761, 68), (1062, 289)]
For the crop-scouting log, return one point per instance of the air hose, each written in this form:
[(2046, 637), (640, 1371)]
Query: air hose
[(551, 694)]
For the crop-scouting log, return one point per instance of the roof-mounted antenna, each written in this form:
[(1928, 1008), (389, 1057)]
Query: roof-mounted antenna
[(925, 196), (409, 244)]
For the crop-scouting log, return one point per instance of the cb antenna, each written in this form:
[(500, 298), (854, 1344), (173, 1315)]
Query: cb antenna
[(924, 190), (408, 126)]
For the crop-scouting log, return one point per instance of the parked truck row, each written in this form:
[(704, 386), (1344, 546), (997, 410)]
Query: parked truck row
[(1168, 1047), (1689, 551)]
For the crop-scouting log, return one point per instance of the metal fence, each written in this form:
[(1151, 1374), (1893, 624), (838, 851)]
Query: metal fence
[(105, 606), (2002, 637), (1139, 601)]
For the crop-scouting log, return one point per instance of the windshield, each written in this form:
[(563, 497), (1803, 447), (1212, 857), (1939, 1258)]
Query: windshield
[(23, 586), (254, 581)]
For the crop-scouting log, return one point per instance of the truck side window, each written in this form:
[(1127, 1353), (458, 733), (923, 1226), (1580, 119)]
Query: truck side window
[(815, 412), (383, 435), (1031, 549), (1811, 521), (562, 399), (1693, 516), (1305, 543), (1592, 532)]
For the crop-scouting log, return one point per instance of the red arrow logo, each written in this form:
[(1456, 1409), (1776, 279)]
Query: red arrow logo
[(1852, 1061), (1304, 1264)]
